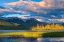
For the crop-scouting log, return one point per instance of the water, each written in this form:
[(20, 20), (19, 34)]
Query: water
[(3, 31), (32, 39), (18, 39)]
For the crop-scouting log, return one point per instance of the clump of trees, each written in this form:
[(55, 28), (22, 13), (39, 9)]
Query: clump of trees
[(48, 27)]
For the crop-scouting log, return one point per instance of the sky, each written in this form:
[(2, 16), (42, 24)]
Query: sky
[(42, 10)]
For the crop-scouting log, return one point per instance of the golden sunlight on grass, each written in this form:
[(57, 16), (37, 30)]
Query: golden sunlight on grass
[(48, 27), (22, 34)]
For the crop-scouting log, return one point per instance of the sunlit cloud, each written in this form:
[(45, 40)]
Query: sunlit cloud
[(57, 20), (49, 9), (42, 4), (38, 7)]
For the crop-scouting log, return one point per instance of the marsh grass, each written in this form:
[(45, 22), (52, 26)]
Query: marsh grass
[(33, 34)]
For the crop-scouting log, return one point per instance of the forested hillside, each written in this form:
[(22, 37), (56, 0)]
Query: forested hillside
[(4, 25)]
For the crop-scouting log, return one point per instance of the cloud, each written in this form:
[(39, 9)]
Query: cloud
[(42, 4), (11, 11), (38, 7), (49, 9), (5, 10), (56, 20)]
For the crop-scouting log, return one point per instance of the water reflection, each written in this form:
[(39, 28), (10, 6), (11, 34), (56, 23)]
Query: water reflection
[(39, 39), (31, 39)]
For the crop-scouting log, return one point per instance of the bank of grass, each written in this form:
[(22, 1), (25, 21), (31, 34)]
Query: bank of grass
[(53, 34), (33, 34), (22, 34)]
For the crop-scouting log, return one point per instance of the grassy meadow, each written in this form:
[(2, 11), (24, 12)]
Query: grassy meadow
[(32, 34)]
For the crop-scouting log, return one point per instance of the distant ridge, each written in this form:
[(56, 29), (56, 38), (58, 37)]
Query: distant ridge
[(24, 22)]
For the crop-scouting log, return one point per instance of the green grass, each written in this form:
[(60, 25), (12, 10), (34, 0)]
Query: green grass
[(32, 34), (53, 34)]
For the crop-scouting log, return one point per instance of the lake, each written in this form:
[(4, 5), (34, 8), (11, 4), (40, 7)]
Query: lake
[(3, 31), (20, 39), (6, 39)]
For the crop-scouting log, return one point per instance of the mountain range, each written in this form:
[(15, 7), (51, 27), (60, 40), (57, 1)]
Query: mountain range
[(15, 23), (25, 22)]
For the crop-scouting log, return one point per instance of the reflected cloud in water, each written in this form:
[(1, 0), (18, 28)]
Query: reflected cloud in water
[(32, 39)]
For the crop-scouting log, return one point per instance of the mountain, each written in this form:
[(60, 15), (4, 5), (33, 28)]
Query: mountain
[(15, 23), (25, 22), (63, 24), (5, 23), (34, 22)]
